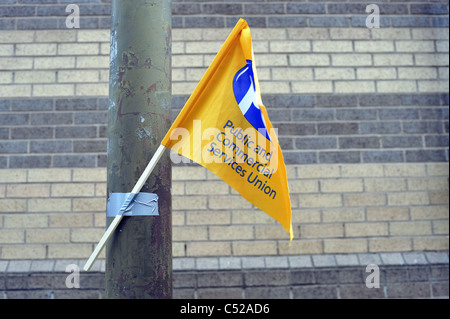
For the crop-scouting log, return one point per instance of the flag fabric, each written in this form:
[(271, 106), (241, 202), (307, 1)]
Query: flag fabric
[(224, 127)]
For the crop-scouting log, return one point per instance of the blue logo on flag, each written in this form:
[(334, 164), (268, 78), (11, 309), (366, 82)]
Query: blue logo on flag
[(245, 94)]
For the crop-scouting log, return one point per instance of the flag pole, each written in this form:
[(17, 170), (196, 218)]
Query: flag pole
[(136, 189)]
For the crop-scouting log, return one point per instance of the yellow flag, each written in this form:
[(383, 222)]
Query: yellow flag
[(224, 127)]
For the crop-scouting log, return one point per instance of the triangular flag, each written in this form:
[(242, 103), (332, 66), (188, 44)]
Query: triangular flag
[(225, 127)]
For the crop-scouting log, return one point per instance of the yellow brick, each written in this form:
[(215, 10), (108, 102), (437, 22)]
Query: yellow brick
[(35, 49), (318, 171), (254, 248), (345, 246), (208, 248), (49, 205), (409, 228), (35, 77), (28, 190), (15, 91), (366, 229), (89, 204), (404, 170), (332, 46), (16, 36), (25, 252), (56, 251), (312, 87), (54, 63), (188, 173), (250, 217), (322, 231), (429, 212), (99, 220), (78, 76), (89, 175), (408, 199), (394, 59), (366, 199), (13, 205), (92, 62), (354, 86), (53, 90), (47, 236), (431, 243), (299, 247), (374, 46), (93, 35), (302, 216), (439, 198), (12, 236), (384, 185), (440, 227), (68, 35), (228, 202), (178, 188), (272, 232), (341, 185), (391, 33), (80, 235), (178, 250), (100, 190), (430, 184), (343, 215), (387, 213), (230, 232), (73, 190), (70, 220), (25, 221), (389, 244), (353, 33), (321, 200), (303, 186), (397, 86), (188, 202), (189, 233), (178, 219), (438, 169), (16, 63), (199, 188), (78, 49), (49, 175), (2, 191), (208, 218), (92, 89)]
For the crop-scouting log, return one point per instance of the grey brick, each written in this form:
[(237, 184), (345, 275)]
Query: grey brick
[(444, 99), (327, 21), (440, 289), (316, 143), (350, 275), (3, 161), (382, 156), (50, 146), (264, 8), (393, 9), (32, 105), (359, 142), (220, 293), (436, 141), (387, 127), (206, 263), (419, 21), (222, 8), (76, 132), (76, 104), (408, 290), (186, 8), (401, 141), (421, 99), (392, 258), (380, 100), (299, 261), (37, 24), (429, 8), (360, 292), (102, 160), (440, 273), (301, 277), (4, 105), (434, 113), (313, 115), (13, 147), (253, 21), (300, 157), (305, 8), (423, 127), (279, 115), (7, 24), (398, 114), (4, 133), (289, 100), (323, 260), (91, 118), (336, 100), (346, 8), (86, 22), (287, 21), (30, 161), (347, 260), (338, 128), (267, 293), (204, 22), (340, 157), (437, 257), (54, 10), (314, 292), (426, 156), (51, 118), (14, 119), (295, 129), (17, 11), (177, 22), (220, 279), (356, 114), (74, 161), (440, 22), (24, 133), (89, 146)]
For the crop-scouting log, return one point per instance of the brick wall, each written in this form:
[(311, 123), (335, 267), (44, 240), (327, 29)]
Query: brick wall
[(362, 116)]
